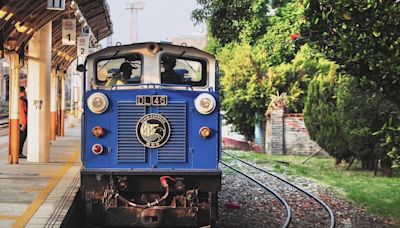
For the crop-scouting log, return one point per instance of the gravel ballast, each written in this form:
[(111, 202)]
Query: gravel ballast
[(244, 204)]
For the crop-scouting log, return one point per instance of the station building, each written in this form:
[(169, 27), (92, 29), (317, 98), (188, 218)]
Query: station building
[(33, 54), (39, 43)]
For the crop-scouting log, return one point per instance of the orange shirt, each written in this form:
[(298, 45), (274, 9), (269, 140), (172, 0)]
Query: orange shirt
[(23, 118)]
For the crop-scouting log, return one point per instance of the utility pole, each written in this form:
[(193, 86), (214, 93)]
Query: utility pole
[(134, 6)]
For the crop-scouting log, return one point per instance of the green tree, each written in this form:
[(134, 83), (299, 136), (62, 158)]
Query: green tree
[(390, 137), (293, 78), (321, 115), (362, 36), (276, 43), (243, 88), (251, 74), (343, 113), (228, 19), (363, 112)]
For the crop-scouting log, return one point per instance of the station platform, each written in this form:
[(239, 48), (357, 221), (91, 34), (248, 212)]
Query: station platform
[(40, 194)]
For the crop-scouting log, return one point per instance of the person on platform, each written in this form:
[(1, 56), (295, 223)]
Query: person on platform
[(23, 120)]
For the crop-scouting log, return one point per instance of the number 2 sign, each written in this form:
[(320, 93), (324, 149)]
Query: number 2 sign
[(68, 31), (83, 46)]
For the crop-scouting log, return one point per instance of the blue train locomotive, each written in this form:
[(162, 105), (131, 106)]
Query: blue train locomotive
[(151, 137)]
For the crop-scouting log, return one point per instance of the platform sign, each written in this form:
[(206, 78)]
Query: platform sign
[(68, 31), (83, 46), (56, 4)]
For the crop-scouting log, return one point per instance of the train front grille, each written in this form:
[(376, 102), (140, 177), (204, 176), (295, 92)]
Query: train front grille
[(129, 149), (175, 149)]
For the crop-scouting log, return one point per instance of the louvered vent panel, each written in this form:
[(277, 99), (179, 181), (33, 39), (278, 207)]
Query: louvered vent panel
[(175, 149), (129, 147)]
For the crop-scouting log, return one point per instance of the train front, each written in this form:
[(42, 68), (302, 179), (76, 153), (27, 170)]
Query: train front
[(151, 137)]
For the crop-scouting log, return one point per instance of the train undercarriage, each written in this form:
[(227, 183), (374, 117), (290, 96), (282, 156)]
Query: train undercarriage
[(156, 199)]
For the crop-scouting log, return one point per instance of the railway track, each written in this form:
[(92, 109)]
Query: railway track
[(303, 208), (276, 195)]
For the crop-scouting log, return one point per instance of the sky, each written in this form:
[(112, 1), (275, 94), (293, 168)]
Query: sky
[(158, 20)]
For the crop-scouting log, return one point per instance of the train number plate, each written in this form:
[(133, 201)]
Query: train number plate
[(155, 100)]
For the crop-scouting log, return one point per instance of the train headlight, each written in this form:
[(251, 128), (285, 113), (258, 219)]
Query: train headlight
[(97, 103), (97, 149), (205, 103)]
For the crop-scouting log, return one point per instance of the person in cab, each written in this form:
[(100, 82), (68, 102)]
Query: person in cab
[(169, 76), (125, 72)]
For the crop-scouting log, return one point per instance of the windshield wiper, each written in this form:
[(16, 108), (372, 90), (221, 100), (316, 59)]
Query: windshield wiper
[(108, 60), (187, 62)]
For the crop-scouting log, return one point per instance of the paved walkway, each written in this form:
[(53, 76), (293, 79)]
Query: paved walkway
[(3, 142), (30, 191)]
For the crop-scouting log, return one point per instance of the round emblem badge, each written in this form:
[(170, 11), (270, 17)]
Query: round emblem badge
[(153, 130)]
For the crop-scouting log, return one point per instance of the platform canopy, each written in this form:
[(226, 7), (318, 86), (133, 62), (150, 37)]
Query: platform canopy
[(20, 19)]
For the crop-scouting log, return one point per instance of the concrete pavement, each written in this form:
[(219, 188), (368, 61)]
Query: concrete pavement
[(30, 192)]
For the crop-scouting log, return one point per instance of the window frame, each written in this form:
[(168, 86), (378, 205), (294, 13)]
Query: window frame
[(204, 68), (97, 60)]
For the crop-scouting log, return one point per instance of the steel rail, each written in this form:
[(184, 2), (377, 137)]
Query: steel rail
[(277, 196), (326, 207)]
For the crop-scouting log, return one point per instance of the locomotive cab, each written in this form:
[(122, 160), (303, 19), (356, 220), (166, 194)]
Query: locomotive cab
[(151, 137)]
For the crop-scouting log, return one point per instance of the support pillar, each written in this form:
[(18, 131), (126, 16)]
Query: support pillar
[(13, 144), (59, 103), (62, 104), (39, 74), (1, 80), (53, 104), (275, 128), (263, 135)]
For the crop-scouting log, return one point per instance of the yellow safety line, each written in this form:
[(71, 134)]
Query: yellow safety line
[(34, 206), (8, 217)]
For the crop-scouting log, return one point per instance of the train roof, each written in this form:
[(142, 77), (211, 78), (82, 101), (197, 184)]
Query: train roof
[(146, 45)]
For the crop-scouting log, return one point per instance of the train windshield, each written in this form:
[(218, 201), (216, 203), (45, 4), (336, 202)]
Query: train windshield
[(171, 68), (119, 70), (182, 70)]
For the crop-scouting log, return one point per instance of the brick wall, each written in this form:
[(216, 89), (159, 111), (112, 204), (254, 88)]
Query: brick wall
[(275, 137), (297, 139), (287, 134)]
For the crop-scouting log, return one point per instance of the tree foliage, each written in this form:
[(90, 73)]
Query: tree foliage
[(346, 100), (245, 64), (242, 88), (293, 77), (362, 36), (320, 113), (228, 20), (276, 43), (390, 135), (343, 115), (363, 112)]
